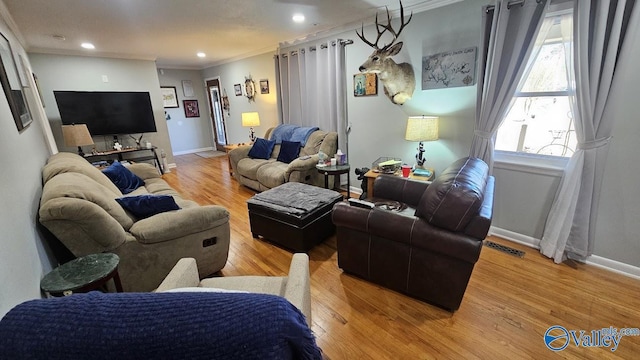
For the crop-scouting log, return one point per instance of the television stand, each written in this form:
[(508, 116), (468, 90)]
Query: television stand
[(130, 154)]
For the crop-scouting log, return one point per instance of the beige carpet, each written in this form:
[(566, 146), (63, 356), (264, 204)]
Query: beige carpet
[(211, 154)]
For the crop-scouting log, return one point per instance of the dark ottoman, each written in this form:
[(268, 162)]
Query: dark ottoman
[(293, 215)]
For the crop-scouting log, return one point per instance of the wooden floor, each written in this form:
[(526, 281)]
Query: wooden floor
[(509, 304)]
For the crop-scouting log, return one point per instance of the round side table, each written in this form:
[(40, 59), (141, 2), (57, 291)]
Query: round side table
[(335, 170), (83, 274)]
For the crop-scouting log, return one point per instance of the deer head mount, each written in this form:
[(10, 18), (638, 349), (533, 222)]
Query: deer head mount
[(398, 79)]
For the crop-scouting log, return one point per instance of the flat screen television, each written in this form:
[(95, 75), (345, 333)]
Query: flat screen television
[(107, 112)]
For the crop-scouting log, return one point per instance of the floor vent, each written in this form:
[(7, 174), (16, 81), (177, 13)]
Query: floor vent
[(504, 249)]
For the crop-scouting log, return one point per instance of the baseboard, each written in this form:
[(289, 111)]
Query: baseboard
[(515, 237), (594, 260), (193, 151)]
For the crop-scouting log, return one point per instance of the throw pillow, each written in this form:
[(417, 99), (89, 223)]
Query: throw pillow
[(288, 151), (144, 206), (122, 177), (262, 149)]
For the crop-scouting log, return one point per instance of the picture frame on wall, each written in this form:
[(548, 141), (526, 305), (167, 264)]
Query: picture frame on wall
[(169, 97), (11, 83), (237, 88), (264, 86), (187, 88), (191, 108), (365, 84)]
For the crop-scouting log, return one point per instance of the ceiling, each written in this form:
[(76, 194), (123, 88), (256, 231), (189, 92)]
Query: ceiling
[(171, 32)]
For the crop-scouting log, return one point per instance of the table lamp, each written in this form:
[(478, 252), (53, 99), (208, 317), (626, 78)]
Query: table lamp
[(421, 128), (251, 119), (76, 135)]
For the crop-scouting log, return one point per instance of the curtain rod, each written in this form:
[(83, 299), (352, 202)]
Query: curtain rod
[(322, 46), (509, 4)]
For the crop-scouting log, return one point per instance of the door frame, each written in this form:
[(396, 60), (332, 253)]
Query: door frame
[(214, 132)]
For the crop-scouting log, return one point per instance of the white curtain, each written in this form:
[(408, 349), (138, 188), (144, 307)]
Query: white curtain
[(509, 30), (599, 32), (312, 87)]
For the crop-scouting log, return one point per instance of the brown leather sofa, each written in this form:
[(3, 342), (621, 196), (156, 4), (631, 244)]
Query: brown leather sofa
[(422, 239)]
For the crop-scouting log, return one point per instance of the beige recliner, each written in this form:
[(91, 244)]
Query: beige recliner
[(294, 287), (78, 206)]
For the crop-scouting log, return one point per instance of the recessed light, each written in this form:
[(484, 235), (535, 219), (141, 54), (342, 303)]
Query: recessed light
[(88, 45), (201, 54), (298, 18)]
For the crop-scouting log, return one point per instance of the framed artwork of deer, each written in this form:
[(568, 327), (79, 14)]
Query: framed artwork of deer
[(398, 80)]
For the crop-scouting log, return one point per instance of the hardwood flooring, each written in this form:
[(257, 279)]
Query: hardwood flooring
[(509, 304)]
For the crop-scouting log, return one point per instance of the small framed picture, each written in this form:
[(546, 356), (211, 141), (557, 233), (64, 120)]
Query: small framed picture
[(365, 84), (191, 108), (169, 96), (187, 88), (238, 89), (264, 86)]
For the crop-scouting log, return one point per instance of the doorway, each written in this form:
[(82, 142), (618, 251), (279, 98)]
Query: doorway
[(217, 116)]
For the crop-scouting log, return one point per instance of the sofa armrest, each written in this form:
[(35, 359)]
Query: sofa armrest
[(302, 165), (144, 171), (298, 290), (176, 224), (238, 154), (184, 274), (399, 189)]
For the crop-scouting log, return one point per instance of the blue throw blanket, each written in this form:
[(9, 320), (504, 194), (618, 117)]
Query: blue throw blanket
[(293, 133), (194, 325)]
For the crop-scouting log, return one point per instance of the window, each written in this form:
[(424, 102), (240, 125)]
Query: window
[(540, 119)]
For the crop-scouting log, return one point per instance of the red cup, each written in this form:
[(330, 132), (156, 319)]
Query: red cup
[(406, 169)]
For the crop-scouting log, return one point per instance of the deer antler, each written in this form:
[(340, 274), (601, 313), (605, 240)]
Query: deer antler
[(385, 28)]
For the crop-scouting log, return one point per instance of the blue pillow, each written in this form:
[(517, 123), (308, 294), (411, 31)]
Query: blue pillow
[(288, 151), (122, 177), (262, 149), (144, 206)]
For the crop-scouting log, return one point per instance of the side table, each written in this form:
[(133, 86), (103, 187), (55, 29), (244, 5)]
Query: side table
[(372, 175), (83, 274), (336, 170)]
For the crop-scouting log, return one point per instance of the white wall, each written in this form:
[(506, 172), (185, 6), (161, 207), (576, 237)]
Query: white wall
[(188, 134), (81, 73), (259, 67), (24, 257)]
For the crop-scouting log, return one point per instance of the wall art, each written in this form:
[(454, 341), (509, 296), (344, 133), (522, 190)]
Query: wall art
[(264, 86), (10, 79), (191, 108), (449, 69), (169, 96), (365, 84)]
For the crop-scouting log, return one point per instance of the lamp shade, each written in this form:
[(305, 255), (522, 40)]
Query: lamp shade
[(76, 135), (250, 119), (422, 128)]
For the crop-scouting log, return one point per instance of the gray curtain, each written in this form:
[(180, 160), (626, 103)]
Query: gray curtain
[(312, 89), (600, 27), (509, 31)]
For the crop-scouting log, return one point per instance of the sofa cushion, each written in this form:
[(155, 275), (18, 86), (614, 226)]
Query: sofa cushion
[(122, 177), (262, 149), (80, 186), (249, 167), (144, 206), (64, 162), (455, 196), (289, 151), (272, 174)]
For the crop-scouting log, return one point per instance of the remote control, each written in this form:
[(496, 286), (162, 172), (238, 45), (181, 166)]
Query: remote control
[(361, 203)]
